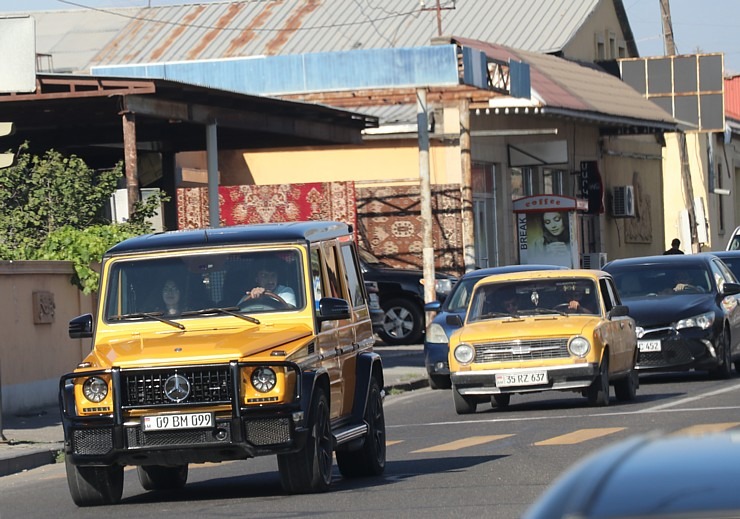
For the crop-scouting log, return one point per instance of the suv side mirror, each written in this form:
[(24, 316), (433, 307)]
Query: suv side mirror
[(333, 309), (81, 327)]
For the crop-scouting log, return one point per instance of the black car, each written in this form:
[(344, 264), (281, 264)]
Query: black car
[(686, 311), (401, 293)]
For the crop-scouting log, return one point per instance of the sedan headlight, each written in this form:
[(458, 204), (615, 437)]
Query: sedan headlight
[(435, 333), (464, 353), (263, 379), (579, 346), (702, 321), (95, 389)]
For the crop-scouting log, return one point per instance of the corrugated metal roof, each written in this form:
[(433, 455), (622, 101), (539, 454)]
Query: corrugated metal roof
[(569, 86), (732, 97), (269, 27)]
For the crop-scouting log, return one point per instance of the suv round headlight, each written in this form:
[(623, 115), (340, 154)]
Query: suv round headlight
[(464, 353), (95, 389), (579, 346), (264, 379)]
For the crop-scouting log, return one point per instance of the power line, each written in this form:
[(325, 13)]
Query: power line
[(238, 29)]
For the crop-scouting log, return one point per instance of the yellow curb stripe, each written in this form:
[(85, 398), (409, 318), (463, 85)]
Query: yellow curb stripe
[(581, 435), (461, 444), (696, 430)]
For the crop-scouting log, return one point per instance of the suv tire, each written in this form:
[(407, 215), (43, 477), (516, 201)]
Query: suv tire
[(94, 486), (369, 460), (158, 477), (309, 470), (403, 322)]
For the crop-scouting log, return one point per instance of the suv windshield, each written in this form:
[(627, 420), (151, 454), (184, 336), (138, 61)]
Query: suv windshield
[(187, 286)]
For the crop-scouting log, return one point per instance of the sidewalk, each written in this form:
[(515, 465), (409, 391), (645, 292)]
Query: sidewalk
[(36, 438)]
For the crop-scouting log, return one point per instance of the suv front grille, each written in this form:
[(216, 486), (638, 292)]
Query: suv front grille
[(518, 350), (212, 385)]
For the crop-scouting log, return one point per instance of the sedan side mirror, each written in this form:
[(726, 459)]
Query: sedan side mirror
[(434, 306), (730, 289), (619, 311), (454, 320)]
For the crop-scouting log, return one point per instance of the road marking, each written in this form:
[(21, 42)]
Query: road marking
[(580, 436), (698, 430), (461, 444), (388, 443), (734, 387)]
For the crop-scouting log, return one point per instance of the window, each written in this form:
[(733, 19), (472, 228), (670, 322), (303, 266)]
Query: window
[(521, 182), (552, 181), (356, 294)]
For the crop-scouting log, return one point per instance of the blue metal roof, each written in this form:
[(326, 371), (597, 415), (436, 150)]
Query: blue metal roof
[(320, 72)]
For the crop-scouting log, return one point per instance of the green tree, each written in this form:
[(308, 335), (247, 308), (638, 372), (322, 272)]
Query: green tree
[(52, 209)]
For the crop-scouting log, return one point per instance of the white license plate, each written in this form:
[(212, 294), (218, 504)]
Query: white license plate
[(168, 422), (521, 378), (648, 346)]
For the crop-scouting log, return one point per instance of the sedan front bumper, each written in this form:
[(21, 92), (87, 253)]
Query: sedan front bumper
[(559, 378), (679, 350)]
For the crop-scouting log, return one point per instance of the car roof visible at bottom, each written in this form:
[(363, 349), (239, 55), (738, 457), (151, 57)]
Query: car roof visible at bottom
[(508, 269)]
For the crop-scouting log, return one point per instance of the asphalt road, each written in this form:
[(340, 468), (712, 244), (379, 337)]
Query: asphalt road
[(491, 464)]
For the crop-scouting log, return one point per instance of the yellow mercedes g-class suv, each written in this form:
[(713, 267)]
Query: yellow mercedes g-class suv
[(223, 344)]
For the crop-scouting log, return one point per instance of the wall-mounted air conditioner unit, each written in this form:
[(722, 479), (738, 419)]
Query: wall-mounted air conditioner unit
[(623, 201), (593, 260)]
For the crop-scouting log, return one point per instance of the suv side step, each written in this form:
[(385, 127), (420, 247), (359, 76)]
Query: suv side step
[(349, 433)]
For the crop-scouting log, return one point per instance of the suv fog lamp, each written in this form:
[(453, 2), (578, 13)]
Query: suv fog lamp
[(264, 379), (464, 353), (579, 346), (95, 389)]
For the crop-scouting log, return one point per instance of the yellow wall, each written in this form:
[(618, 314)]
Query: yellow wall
[(34, 356), (393, 160)]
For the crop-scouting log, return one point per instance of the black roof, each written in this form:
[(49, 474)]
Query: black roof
[(664, 259), (285, 232)]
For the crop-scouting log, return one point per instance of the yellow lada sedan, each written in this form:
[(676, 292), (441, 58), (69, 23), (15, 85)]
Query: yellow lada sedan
[(539, 331)]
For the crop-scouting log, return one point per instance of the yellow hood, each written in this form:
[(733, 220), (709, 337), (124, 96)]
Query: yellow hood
[(194, 346), (527, 327)]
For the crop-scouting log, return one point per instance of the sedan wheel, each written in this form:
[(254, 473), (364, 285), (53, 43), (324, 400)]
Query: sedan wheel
[(724, 369), (598, 392), (463, 404), (403, 322), (501, 400)]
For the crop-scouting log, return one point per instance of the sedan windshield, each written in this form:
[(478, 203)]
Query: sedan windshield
[(196, 285), (560, 296), (659, 280)]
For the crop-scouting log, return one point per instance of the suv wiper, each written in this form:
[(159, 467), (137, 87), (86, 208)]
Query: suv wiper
[(229, 310), (149, 315)]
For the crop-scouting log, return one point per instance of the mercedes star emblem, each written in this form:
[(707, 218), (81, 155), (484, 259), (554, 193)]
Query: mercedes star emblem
[(176, 388)]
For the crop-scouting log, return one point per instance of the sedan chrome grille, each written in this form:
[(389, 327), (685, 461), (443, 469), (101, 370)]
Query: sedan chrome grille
[(507, 351)]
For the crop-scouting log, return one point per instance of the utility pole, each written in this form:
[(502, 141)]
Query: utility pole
[(669, 44), (439, 10)]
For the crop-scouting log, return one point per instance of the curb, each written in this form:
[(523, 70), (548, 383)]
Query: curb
[(407, 386), (30, 460)]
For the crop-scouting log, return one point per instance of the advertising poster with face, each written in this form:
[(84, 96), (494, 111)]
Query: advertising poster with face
[(546, 228)]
